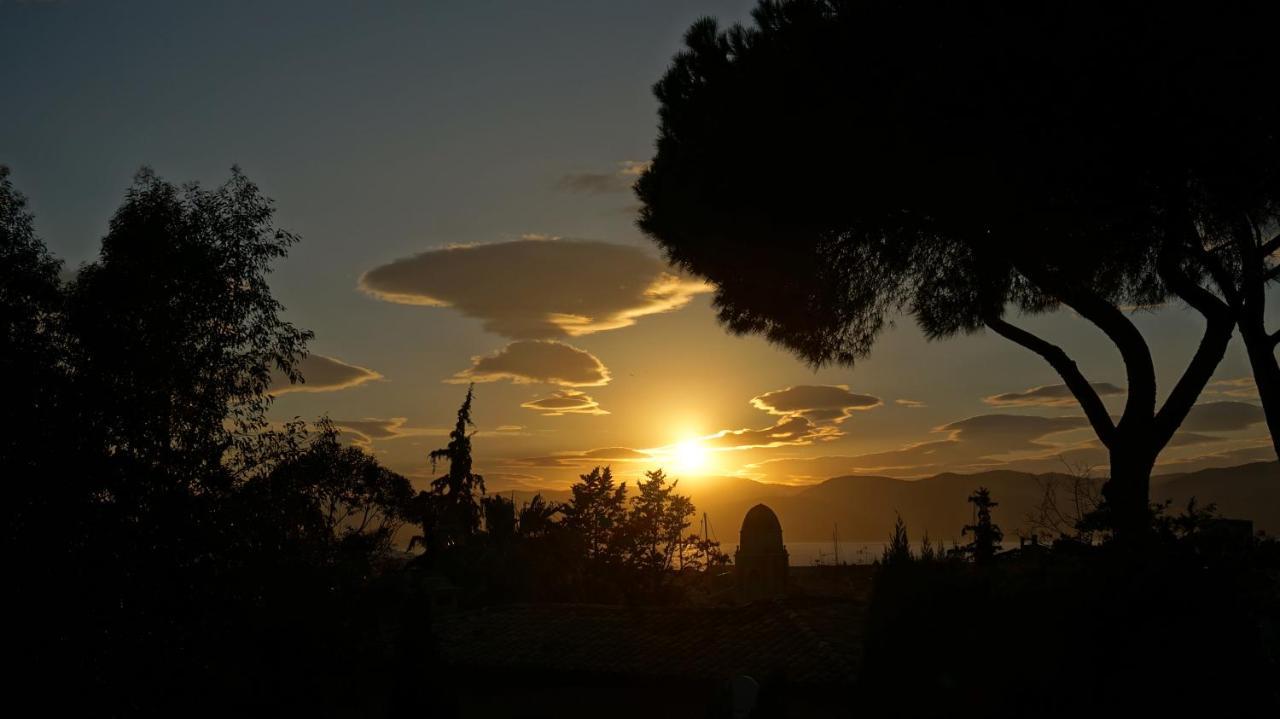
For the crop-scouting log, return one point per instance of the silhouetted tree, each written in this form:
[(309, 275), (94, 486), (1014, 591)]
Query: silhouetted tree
[(986, 534), (499, 517), (928, 552), (33, 436), (450, 512), (326, 497), (1232, 250), (702, 554), (840, 161), (177, 333), (898, 550), (537, 517), (596, 514), (656, 522)]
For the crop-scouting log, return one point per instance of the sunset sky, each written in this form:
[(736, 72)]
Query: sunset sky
[(460, 173)]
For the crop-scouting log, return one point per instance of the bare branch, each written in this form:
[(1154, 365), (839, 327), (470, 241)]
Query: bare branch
[(1139, 367), (1066, 367)]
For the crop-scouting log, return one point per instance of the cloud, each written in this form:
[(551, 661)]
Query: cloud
[(566, 402), (972, 444), (789, 431), (1228, 416), (1049, 395), (581, 458), (537, 288), (816, 403), (364, 431), (1256, 450), (322, 374), (1190, 439), (528, 361), (807, 414), (1244, 387), (597, 183), (910, 403)]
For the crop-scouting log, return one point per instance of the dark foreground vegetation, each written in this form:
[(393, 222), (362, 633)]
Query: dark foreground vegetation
[(1186, 625), (175, 551)]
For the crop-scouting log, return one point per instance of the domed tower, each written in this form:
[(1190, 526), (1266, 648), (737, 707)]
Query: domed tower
[(761, 559)]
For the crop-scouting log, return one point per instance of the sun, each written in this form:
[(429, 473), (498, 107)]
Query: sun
[(690, 456)]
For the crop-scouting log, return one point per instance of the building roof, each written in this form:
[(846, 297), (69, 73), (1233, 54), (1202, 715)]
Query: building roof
[(761, 529), (807, 642)]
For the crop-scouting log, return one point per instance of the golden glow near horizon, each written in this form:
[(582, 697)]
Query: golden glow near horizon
[(691, 456)]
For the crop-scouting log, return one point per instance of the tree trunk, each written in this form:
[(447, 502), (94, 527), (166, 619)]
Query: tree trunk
[(1127, 492), (1261, 348)]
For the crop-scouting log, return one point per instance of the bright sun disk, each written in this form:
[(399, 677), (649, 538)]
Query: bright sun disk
[(690, 456)]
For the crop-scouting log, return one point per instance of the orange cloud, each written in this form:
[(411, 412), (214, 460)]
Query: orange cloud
[(816, 403), (566, 402)]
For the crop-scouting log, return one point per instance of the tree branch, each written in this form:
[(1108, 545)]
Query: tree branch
[(1140, 369), (1066, 367), (1219, 274), (1269, 247), (1219, 324), (1271, 274)]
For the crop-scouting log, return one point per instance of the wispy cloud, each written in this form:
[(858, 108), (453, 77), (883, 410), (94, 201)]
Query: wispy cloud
[(1049, 395), (323, 374), (1244, 387), (598, 183)]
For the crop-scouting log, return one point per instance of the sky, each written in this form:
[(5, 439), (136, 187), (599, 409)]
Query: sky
[(459, 174)]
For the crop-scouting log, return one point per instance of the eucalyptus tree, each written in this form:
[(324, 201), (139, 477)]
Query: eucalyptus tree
[(838, 162), (176, 331)]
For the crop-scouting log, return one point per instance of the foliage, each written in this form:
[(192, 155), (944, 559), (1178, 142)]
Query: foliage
[(450, 513), (596, 515), (32, 356), (986, 534), (176, 333), (537, 517), (326, 491), (656, 523), (898, 550), (1073, 629)]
